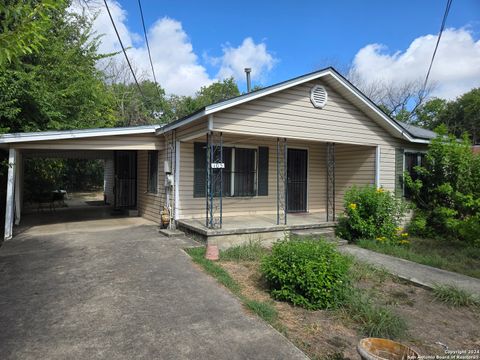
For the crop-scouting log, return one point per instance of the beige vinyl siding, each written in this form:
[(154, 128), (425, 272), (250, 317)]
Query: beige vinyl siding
[(194, 130), (290, 114), (189, 206), (150, 205), (354, 165), (118, 142)]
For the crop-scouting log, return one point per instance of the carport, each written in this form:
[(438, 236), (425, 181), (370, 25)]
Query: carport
[(119, 148)]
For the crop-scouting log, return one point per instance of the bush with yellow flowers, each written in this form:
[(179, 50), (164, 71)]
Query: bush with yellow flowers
[(372, 214)]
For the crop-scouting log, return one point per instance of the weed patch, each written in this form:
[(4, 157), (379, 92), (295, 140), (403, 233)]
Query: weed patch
[(454, 296), (252, 251), (223, 277), (263, 309), (373, 320), (361, 271)]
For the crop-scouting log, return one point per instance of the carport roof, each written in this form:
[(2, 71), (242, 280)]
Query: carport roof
[(76, 134)]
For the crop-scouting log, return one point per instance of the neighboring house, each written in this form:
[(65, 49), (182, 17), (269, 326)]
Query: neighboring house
[(280, 158)]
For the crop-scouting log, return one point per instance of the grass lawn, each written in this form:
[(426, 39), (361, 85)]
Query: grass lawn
[(441, 254), (385, 305)]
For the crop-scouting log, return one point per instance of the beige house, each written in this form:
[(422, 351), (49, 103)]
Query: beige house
[(273, 160)]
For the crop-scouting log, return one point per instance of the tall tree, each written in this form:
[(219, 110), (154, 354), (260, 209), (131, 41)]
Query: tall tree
[(59, 87), (135, 108), (428, 114), (460, 115), (181, 106), (463, 115), (24, 25)]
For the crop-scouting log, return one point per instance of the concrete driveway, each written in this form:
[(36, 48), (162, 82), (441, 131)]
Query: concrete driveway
[(116, 289)]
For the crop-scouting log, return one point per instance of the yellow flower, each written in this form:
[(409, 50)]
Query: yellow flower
[(380, 190), (399, 229), (352, 206), (404, 235), (404, 242)]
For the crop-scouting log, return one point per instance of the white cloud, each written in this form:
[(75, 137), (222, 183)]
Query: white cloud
[(456, 68), (248, 54), (176, 65)]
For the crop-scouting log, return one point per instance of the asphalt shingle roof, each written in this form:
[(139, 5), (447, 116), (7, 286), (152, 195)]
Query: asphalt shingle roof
[(417, 132)]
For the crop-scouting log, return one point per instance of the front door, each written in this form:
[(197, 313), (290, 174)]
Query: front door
[(297, 163), (125, 179)]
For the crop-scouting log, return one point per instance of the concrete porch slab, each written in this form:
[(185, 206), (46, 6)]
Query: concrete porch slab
[(263, 228)]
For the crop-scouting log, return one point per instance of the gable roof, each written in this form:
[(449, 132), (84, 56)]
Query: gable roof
[(401, 130), (76, 134)]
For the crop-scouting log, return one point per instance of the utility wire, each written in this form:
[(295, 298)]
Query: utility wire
[(442, 27), (123, 49), (148, 48)]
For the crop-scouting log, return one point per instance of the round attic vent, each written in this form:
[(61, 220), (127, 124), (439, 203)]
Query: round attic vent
[(318, 96)]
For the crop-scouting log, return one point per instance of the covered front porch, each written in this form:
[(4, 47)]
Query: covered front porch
[(235, 188)]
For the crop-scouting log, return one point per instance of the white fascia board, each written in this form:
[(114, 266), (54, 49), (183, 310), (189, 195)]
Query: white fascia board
[(420, 141), (73, 134)]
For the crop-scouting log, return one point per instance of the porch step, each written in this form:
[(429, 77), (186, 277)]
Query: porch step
[(322, 232), (171, 232), (327, 233)]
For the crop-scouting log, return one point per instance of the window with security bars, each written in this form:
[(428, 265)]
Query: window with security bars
[(240, 176)]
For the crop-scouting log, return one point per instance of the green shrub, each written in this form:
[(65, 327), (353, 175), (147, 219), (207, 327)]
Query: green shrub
[(371, 213), (308, 273), (418, 225), (446, 189), (469, 230)]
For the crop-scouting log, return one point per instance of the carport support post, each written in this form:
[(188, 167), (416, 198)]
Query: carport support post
[(9, 207), (18, 187)]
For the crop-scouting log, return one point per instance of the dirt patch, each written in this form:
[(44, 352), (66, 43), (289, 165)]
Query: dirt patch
[(323, 334)]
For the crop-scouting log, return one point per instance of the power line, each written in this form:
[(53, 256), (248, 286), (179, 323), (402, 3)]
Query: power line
[(442, 27), (123, 49), (148, 48)]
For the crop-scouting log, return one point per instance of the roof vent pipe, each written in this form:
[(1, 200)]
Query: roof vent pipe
[(249, 85)]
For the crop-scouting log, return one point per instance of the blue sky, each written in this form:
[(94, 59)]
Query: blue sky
[(295, 37)]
